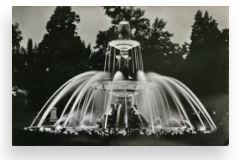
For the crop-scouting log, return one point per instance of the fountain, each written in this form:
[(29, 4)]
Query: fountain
[(123, 97)]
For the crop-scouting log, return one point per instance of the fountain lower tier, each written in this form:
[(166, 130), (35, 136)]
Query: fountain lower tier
[(97, 100), (120, 88)]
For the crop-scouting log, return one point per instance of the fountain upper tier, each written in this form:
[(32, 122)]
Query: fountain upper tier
[(124, 45), (124, 54), (120, 88)]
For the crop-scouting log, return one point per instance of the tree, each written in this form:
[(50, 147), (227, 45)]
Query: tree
[(223, 60), (160, 49), (18, 56), (61, 42), (61, 38), (159, 40), (30, 50), (16, 38), (205, 60), (29, 46), (60, 56), (155, 40)]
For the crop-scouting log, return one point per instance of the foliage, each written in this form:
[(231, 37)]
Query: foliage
[(208, 59), (59, 56), (16, 38), (155, 40), (161, 50), (18, 55)]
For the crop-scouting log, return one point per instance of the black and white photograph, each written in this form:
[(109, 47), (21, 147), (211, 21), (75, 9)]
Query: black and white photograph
[(120, 75)]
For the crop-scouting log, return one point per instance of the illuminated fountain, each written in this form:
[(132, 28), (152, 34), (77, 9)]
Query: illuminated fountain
[(123, 96)]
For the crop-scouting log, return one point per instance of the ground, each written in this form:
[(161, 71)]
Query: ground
[(216, 104)]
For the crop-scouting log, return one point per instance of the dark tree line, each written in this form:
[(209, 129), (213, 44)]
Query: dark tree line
[(207, 64), (42, 68)]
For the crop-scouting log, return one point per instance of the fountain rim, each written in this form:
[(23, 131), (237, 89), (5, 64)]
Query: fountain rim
[(124, 44), (130, 85)]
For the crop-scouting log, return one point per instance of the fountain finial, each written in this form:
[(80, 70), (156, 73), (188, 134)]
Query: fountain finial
[(124, 30)]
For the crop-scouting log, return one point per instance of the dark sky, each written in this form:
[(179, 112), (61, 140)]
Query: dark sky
[(32, 20)]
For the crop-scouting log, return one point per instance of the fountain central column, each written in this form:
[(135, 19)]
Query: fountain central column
[(124, 54)]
